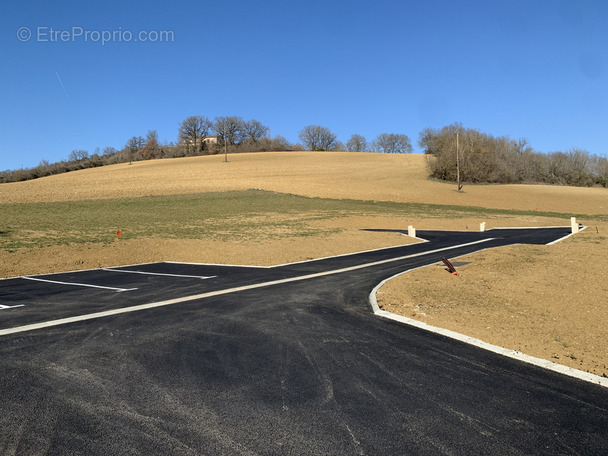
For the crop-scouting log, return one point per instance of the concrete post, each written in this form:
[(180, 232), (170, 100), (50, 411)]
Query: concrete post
[(574, 224), (482, 226), (411, 231)]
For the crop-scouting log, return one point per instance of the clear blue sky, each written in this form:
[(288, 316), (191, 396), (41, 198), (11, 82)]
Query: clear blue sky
[(523, 68)]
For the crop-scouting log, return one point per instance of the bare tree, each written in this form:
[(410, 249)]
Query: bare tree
[(391, 143), (601, 170), (109, 151), (133, 147), (152, 135), (150, 149), (522, 146), (78, 154), (280, 143), (356, 143), (429, 140), (135, 144), (229, 129), (192, 131), (253, 130), (315, 137)]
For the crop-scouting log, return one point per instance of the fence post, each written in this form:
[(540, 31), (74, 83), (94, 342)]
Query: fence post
[(411, 231), (574, 225)]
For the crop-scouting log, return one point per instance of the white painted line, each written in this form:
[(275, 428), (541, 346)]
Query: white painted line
[(10, 307), (219, 264), (157, 273), (539, 362), (210, 294), (526, 227), (37, 279), (76, 271)]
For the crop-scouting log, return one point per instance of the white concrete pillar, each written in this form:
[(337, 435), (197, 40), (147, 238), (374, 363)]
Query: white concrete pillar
[(411, 231), (482, 226), (574, 224)]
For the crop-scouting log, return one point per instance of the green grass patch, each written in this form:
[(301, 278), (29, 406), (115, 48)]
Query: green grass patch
[(252, 214)]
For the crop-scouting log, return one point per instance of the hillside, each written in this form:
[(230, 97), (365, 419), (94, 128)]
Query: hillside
[(381, 177)]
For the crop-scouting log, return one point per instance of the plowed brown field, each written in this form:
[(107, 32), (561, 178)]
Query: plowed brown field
[(548, 301), (382, 177)]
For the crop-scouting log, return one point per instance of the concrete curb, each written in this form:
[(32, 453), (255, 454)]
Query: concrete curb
[(539, 362)]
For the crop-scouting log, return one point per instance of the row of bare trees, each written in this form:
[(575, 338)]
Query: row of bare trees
[(316, 137), (459, 154), (388, 143), (199, 134), (454, 153)]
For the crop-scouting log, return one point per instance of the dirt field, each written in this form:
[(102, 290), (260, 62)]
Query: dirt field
[(381, 177), (549, 302)]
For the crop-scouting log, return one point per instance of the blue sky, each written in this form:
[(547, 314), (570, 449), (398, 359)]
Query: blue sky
[(533, 69)]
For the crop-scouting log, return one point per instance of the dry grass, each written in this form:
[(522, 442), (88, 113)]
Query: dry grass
[(545, 301)]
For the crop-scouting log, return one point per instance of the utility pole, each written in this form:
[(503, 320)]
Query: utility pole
[(225, 150), (458, 163)]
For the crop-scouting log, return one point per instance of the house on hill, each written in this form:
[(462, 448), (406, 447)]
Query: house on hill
[(205, 143), (208, 140)]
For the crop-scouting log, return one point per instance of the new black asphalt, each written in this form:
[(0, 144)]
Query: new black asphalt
[(282, 360)]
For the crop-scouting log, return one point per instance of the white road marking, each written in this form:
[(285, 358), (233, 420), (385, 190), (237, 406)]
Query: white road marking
[(75, 271), (157, 273), (78, 284), (210, 294), (10, 307)]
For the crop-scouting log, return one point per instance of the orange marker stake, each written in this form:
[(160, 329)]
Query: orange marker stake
[(118, 233)]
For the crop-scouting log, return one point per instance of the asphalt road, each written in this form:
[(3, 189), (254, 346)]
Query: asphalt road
[(172, 358)]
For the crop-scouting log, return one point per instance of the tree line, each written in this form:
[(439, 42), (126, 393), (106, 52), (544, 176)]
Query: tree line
[(318, 138), (455, 153), (198, 135)]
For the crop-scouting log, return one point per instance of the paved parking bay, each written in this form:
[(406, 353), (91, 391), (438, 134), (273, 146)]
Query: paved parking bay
[(175, 358)]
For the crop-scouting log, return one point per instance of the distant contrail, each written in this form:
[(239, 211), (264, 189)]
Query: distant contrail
[(64, 91)]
